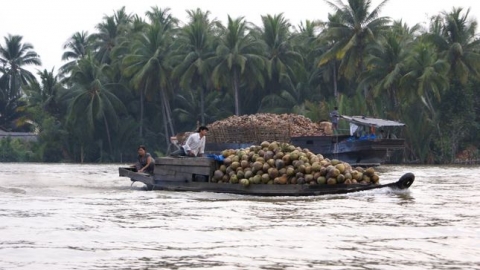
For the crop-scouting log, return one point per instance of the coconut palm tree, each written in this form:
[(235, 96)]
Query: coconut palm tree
[(386, 64), (239, 59), (282, 61), (356, 28), (46, 93), (195, 45), (455, 36), (14, 57), (91, 97), (148, 66), (76, 48), (162, 17), (109, 32)]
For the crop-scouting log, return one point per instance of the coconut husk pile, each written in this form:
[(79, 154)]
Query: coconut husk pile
[(260, 127), (282, 163)]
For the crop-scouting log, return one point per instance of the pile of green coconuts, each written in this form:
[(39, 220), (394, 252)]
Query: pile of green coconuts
[(276, 163)]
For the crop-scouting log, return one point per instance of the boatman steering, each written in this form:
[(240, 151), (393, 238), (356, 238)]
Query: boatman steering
[(145, 161), (195, 144), (334, 115)]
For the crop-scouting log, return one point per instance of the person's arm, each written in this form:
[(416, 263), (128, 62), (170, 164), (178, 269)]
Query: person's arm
[(149, 161), (202, 147), (186, 146)]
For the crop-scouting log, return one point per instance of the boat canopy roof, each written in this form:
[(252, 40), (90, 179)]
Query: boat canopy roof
[(368, 121)]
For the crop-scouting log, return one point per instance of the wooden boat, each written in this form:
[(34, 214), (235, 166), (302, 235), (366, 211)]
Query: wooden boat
[(363, 146), (359, 147), (195, 174)]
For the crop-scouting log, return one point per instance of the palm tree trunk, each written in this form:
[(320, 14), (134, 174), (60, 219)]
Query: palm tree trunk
[(108, 133), (236, 92), (165, 123), (335, 87), (142, 100), (168, 112), (202, 105)]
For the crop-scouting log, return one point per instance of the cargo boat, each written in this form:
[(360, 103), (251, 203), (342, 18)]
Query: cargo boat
[(195, 174), (359, 147)]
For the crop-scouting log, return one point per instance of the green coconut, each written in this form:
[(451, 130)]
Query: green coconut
[(244, 182), (273, 172), (265, 167), (265, 178), (240, 174), (292, 180), (340, 178), (290, 171), (370, 171), (279, 155), (308, 169), (248, 174), (340, 167), (265, 144), (335, 162), (286, 159), (321, 180), (257, 166), (218, 174), (279, 164), (257, 179), (235, 165), (331, 181), (375, 178), (271, 162), (294, 155), (233, 179), (308, 178), (300, 180)]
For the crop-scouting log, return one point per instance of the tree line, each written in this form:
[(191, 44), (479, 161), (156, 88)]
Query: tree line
[(139, 80)]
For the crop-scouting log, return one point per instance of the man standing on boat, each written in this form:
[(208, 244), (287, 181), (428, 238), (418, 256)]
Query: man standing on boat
[(334, 115), (195, 144)]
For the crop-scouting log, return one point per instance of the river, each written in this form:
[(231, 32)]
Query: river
[(70, 216)]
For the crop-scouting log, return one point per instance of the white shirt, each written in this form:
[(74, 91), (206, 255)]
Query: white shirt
[(195, 144)]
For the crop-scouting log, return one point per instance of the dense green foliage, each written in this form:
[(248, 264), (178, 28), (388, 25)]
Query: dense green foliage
[(141, 80)]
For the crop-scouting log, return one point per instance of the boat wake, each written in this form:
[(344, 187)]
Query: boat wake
[(12, 190)]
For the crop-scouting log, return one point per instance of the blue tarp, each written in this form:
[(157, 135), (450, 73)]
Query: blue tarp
[(216, 157)]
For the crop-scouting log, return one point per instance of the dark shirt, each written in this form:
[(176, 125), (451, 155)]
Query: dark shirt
[(143, 162), (334, 116)]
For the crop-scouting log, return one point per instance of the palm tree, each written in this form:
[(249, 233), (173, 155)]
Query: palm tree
[(424, 83), (162, 17), (386, 64), (147, 65), (108, 34), (282, 61), (76, 48), (455, 36), (195, 46), (14, 56), (46, 93), (238, 59), (356, 28), (91, 98)]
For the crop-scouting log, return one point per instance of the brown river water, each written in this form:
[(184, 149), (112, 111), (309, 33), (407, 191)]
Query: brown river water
[(64, 216)]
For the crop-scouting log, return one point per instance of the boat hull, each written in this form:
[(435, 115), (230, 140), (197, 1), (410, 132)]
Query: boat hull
[(199, 183)]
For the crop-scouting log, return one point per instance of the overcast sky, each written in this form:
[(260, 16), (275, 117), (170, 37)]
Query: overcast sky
[(47, 25)]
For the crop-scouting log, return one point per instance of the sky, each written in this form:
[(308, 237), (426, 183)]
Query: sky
[(48, 24)]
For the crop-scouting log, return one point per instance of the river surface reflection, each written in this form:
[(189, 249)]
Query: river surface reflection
[(64, 216)]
